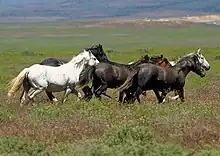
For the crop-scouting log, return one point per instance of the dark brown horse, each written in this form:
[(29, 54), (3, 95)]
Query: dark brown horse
[(152, 77), (112, 74), (160, 61), (108, 75)]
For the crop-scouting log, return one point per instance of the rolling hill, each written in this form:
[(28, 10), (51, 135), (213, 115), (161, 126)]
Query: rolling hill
[(102, 9)]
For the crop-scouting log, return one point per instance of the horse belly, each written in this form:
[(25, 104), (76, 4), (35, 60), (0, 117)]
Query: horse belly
[(55, 87), (115, 84), (158, 85), (57, 83)]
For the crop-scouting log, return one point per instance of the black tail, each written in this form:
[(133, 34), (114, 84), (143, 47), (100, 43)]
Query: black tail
[(129, 81), (86, 75)]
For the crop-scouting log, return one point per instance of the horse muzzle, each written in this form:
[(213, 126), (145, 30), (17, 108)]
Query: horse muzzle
[(207, 68), (202, 73)]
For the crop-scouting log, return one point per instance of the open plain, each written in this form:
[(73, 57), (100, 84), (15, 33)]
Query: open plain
[(102, 127)]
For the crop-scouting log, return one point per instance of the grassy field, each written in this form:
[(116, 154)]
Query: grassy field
[(102, 127)]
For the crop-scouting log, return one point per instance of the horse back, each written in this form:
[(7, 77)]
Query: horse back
[(52, 62), (114, 75), (154, 73)]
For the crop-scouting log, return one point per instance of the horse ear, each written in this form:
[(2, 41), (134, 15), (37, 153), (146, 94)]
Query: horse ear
[(161, 56), (198, 51), (89, 52), (146, 57)]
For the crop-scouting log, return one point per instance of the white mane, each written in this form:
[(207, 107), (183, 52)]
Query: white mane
[(180, 58), (79, 57)]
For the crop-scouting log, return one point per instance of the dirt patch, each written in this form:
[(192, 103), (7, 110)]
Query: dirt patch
[(163, 22), (140, 24), (52, 132), (203, 132)]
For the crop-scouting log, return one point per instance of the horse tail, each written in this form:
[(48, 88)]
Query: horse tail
[(86, 75), (16, 82), (129, 81)]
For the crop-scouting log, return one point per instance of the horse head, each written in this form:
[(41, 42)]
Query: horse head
[(98, 52), (202, 60), (145, 59), (156, 59), (91, 59), (191, 62)]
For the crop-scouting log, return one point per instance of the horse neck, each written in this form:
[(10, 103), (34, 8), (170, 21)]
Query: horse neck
[(104, 60), (76, 59), (81, 67), (184, 70), (74, 63)]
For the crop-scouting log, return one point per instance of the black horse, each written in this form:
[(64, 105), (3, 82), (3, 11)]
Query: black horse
[(108, 75), (53, 62), (96, 50), (112, 74), (152, 77)]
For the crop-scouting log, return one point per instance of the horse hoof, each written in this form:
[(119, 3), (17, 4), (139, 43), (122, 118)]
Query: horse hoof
[(174, 97), (54, 100), (183, 101)]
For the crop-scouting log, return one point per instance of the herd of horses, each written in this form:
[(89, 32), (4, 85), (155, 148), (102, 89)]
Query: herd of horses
[(92, 65)]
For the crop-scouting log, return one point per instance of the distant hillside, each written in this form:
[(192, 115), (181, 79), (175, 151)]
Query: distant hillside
[(104, 9)]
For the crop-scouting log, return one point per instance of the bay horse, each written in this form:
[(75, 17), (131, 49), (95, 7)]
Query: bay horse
[(52, 79), (152, 77), (96, 50)]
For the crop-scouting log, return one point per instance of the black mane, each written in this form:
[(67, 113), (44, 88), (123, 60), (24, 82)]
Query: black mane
[(98, 52)]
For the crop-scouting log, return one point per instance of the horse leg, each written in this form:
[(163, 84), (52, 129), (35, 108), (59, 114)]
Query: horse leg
[(159, 98), (104, 93), (101, 89), (181, 94), (34, 93), (51, 96), (176, 95), (96, 85), (87, 93), (121, 95), (24, 94), (138, 92), (129, 98), (163, 95), (66, 93), (78, 94)]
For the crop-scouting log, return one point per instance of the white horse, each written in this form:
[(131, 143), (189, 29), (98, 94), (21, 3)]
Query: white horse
[(52, 79)]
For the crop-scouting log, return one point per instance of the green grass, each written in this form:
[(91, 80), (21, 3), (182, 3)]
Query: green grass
[(102, 127)]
